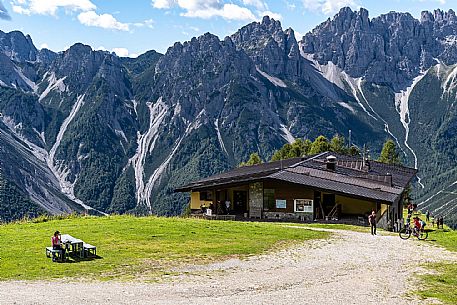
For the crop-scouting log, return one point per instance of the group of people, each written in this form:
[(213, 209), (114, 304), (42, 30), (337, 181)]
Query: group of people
[(438, 219), (439, 222), (419, 224), (220, 208)]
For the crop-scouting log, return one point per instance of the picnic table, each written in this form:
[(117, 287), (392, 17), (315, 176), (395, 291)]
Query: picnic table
[(73, 244)]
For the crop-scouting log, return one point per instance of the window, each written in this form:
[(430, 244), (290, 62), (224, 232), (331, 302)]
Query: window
[(268, 199), (206, 195), (303, 205), (281, 203)]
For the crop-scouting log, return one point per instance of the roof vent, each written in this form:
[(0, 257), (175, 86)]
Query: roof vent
[(331, 162)]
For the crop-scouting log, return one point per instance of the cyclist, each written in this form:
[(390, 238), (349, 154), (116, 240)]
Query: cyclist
[(419, 225)]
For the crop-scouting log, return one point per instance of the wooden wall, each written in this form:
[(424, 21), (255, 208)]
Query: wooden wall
[(289, 192)]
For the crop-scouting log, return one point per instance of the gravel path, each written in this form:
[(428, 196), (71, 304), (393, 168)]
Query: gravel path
[(349, 268)]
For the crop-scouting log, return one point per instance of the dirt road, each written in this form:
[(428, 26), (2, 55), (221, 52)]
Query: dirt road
[(349, 268)]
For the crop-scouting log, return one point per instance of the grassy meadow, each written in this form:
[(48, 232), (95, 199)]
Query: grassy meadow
[(442, 283), (135, 247)]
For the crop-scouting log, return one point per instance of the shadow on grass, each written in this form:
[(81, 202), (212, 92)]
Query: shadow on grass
[(75, 259)]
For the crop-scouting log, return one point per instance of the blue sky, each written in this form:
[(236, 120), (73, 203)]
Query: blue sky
[(135, 26)]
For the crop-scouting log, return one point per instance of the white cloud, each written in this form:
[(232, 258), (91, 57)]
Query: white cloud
[(207, 9), (121, 52), (259, 4), (20, 10), (44, 46), (105, 21), (329, 7), (163, 3), (228, 11), (147, 23), (50, 7), (273, 15), (290, 5)]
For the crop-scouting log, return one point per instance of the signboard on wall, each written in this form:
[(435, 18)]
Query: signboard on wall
[(303, 205), (281, 203)]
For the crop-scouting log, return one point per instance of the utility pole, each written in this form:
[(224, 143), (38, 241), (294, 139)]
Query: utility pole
[(350, 132)]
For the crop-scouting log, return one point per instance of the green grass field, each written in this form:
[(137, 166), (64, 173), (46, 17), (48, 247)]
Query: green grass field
[(135, 247), (442, 284)]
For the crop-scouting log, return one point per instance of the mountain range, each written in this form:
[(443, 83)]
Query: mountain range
[(86, 130)]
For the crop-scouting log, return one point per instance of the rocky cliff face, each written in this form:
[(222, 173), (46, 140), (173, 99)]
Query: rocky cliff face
[(113, 134), (401, 71), (390, 49)]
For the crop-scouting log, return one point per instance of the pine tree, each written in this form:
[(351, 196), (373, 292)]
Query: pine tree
[(319, 145), (389, 153), (254, 159), (337, 144)]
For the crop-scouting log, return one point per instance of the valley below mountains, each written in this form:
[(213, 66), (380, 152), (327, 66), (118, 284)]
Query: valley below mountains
[(85, 130)]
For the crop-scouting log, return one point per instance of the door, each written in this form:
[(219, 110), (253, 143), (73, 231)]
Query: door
[(328, 202), (317, 206), (240, 202)]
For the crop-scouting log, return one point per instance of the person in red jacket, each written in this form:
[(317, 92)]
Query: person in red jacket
[(418, 224), (57, 244)]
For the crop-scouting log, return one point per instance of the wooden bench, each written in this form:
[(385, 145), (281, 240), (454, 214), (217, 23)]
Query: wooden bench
[(53, 252), (89, 250), (220, 217)]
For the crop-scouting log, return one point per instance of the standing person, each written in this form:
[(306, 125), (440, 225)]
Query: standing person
[(56, 241), (427, 216), (227, 206), (410, 208), (433, 222), (372, 222)]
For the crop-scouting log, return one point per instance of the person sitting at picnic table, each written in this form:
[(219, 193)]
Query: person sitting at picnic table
[(57, 243)]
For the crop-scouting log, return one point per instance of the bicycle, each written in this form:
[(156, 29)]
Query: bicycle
[(407, 231)]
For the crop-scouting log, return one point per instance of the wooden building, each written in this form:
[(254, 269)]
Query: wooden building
[(326, 186)]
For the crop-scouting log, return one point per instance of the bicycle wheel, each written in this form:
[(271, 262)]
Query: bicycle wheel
[(404, 233), (422, 235)]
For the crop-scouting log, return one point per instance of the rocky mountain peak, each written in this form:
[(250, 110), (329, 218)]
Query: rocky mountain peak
[(80, 63), (46, 56), (267, 28), (391, 48), (439, 16), (269, 46), (17, 46)]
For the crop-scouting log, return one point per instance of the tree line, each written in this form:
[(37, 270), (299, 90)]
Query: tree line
[(302, 148)]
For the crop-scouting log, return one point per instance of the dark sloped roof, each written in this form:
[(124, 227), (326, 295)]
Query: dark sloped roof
[(344, 185), (244, 173), (371, 180), (401, 175)]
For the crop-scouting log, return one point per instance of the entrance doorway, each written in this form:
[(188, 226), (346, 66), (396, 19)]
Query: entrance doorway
[(240, 202), (328, 202)]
